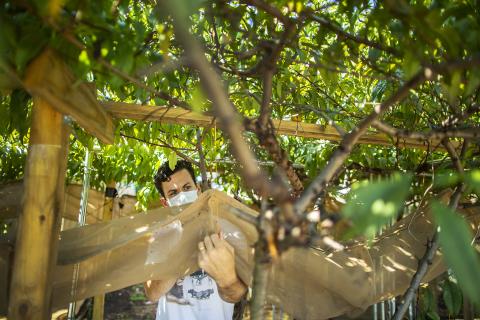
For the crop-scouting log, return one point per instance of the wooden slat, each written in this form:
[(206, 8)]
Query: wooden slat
[(11, 195), (55, 83), (122, 110)]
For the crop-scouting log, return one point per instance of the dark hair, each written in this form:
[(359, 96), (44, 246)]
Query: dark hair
[(164, 172)]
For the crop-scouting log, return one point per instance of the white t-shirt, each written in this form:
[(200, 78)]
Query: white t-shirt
[(194, 297)]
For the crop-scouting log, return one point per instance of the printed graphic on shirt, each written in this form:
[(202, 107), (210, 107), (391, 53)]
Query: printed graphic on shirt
[(198, 286), (200, 295), (176, 293), (199, 276), (201, 286)]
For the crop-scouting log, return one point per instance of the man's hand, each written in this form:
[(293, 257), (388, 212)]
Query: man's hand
[(217, 258)]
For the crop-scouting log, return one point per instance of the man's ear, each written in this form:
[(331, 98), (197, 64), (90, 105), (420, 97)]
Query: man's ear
[(164, 202)]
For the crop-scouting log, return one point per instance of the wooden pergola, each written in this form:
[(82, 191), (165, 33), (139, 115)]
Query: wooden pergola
[(122, 110), (57, 94)]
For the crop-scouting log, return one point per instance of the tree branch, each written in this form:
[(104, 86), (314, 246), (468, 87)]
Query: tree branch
[(322, 114), (260, 281), (263, 127), (162, 95), (471, 110), (202, 165), (265, 108), (423, 264), (265, 6), (224, 110), (164, 66), (349, 140), (272, 53), (471, 133), (262, 258), (269, 142), (165, 145), (432, 246), (339, 31)]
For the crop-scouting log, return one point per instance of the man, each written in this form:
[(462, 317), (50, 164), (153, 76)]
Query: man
[(208, 293)]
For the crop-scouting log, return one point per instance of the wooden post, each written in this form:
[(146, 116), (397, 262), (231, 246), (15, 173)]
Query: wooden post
[(468, 313), (99, 301), (38, 223)]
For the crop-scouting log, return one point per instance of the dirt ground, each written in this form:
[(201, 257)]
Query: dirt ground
[(129, 303), (125, 304)]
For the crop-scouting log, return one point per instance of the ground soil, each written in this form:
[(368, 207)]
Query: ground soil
[(129, 303)]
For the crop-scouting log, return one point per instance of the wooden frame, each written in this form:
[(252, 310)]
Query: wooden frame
[(123, 110)]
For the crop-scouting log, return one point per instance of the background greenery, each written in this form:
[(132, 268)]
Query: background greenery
[(344, 58)]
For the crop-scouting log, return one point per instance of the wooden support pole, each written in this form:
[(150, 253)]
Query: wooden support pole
[(99, 301), (98, 307), (38, 226)]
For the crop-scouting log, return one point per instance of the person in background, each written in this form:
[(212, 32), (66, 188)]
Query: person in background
[(209, 293)]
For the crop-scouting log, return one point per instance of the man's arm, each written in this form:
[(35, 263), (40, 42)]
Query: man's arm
[(154, 289), (217, 258), (232, 292)]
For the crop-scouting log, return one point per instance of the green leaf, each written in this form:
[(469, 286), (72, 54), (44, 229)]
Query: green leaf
[(372, 205), (83, 58), (279, 89), (379, 90), (7, 36), (427, 299), (374, 54), (473, 180), (411, 65), (473, 82), (454, 86), (433, 315), (446, 179), (452, 296), (455, 239), (31, 41), (19, 111), (198, 100), (172, 160)]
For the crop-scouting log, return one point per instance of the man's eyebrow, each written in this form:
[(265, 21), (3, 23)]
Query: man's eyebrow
[(172, 189)]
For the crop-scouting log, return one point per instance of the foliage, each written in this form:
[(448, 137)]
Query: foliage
[(342, 60), (372, 205), (427, 304), (452, 296), (456, 240)]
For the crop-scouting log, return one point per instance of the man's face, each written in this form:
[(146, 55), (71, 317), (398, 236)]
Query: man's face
[(180, 181)]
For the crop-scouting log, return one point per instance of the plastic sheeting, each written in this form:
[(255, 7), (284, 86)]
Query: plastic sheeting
[(307, 283)]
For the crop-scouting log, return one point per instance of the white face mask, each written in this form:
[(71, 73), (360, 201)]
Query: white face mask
[(183, 198)]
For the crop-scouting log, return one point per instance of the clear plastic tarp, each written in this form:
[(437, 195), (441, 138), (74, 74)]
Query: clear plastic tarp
[(308, 283)]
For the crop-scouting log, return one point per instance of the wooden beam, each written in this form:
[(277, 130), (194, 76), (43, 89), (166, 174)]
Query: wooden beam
[(55, 83), (122, 110), (29, 290), (61, 187), (99, 300)]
